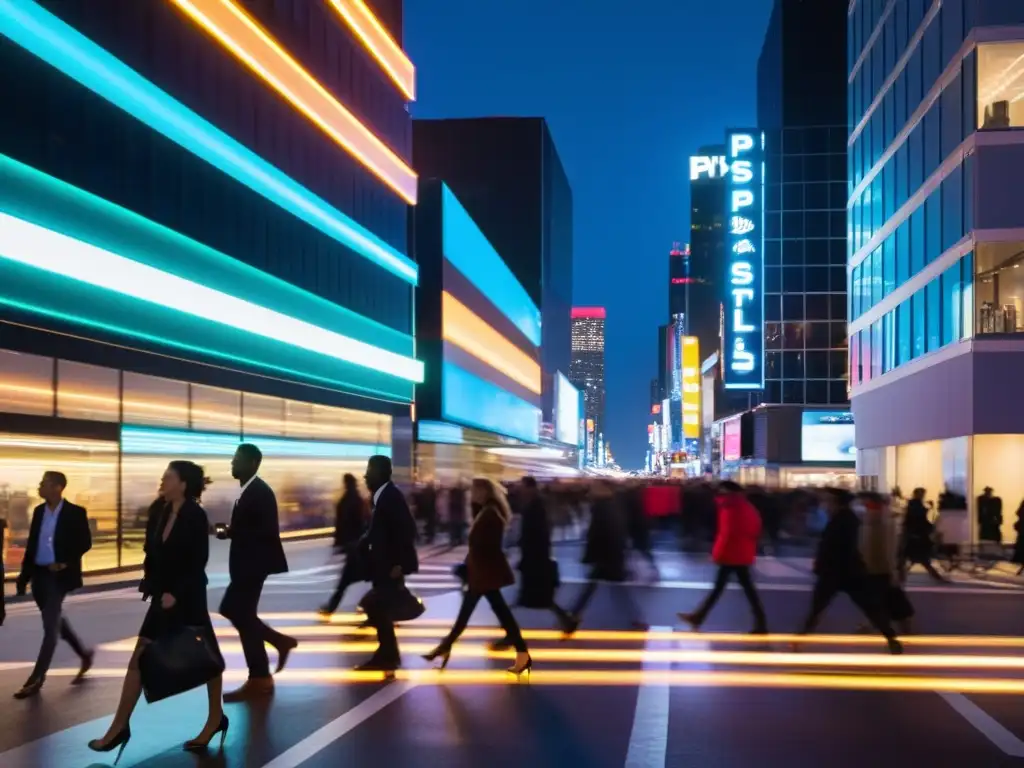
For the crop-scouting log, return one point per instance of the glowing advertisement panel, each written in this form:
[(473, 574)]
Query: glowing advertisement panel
[(475, 402), (567, 411), (731, 440), (691, 387), (827, 436), (743, 346)]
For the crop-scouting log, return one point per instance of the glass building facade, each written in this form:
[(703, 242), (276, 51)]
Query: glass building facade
[(196, 254), (936, 238)]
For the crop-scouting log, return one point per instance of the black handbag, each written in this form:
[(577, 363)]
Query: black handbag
[(391, 602), (180, 660)]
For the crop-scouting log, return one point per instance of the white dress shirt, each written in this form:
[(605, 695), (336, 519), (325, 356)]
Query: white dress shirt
[(378, 492), (245, 485)]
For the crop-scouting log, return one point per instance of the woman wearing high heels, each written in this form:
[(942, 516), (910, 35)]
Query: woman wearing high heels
[(487, 571), (177, 548)]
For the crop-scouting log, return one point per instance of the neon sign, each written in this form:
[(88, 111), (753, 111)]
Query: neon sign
[(744, 307), (691, 388), (710, 167)]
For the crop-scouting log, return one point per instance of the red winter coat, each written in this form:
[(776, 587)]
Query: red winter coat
[(739, 527)]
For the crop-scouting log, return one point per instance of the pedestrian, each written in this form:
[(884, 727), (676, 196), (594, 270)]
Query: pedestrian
[(177, 548), (256, 553), (1018, 548), (917, 535), (388, 549), (487, 572), (879, 547), (58, 538), (3, 531), (990, 517), (734, 551), (457, 515), (839, 567), (351, 515), (539, 572)]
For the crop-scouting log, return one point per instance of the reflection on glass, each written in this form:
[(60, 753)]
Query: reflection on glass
[(91, 469), (217, 409), (1000, 86), (999, 288), (152, 400), (262, 415), (87, 392), (26, 383)]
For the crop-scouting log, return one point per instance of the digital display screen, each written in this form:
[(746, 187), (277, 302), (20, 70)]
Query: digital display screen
[(828, 436), (731, 440), (567, 411)]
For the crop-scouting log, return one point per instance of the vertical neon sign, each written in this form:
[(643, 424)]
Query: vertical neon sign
[(744, 303)]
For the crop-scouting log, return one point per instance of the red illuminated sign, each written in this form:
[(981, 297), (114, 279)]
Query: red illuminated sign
[(588, 313)]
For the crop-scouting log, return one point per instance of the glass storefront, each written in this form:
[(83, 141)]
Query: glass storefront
[(1000, 86), (307, 449)]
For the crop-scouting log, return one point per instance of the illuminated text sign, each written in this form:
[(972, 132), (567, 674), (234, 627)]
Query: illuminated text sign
[(691, 387), (708, 167), (744, 302)]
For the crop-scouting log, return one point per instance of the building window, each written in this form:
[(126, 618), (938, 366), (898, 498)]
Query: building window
[(1000, 86), (154, 401), (934, 295), (87, 392), (999, 286), (951, 305), (262, 415), (218, 410), (27, 384)]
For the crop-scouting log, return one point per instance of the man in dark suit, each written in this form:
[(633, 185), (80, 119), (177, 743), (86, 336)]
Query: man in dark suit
[(256, 553), (57, 540), (389, 549)]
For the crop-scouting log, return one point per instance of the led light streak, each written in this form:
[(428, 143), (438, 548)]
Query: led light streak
[(379, 43), (165, 442), (60, 45), (617, 678), (44, 249), (462, 327), (252, 45)]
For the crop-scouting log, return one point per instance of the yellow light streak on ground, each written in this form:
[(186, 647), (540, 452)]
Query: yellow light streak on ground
[(677, 656), (631, 678)]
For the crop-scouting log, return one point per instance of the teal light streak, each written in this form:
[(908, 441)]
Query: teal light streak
[(36, 30)]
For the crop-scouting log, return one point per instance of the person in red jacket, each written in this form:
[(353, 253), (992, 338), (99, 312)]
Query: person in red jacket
[(739, 528)]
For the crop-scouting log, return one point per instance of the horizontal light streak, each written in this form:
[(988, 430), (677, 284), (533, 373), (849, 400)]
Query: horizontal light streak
[(41, 248), (464, 328), (252, 45), (22, 442), (468, 250), (675, 656), (63, 47), (617, 678), (165, 442), (379, 43)]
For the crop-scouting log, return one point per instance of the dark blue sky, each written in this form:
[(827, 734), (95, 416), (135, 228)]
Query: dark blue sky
[(629, 95)]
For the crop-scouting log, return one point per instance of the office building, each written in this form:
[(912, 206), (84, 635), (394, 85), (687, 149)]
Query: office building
[(587, 368), (678, 280), (508, 175), (937, 239), (179, 276)]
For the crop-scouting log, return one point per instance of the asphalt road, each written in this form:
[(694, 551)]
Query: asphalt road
[(611, 696)]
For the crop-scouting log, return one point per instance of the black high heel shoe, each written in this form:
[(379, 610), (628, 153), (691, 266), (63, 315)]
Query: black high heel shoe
[(442, 652), (119, 742), (526, 667), (195, 745)]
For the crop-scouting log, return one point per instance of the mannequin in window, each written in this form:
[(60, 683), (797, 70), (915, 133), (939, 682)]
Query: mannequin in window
[(997, 116)]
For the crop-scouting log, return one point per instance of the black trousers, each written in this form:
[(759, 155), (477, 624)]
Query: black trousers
[(349, 576), (742, 573), (501, 610), (862, 595), (49, 596), (239, 606)]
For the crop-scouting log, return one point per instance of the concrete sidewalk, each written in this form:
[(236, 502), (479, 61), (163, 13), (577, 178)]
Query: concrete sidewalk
[(302, 555)]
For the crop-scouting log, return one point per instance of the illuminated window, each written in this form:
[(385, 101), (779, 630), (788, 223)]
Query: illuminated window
[(999, 287), (216, 409), (262, 415), (26, 383), (1000, 86), (87, 392), (151, 400)]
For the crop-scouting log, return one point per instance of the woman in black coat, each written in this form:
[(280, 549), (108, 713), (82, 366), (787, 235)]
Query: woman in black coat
[(487, 572), (538, 570), (351, 516), (177, 550)]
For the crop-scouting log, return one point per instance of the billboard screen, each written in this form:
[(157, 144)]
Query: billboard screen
[(731, 440), (743, 347), (567, 411), (691, 387), (827, 436)]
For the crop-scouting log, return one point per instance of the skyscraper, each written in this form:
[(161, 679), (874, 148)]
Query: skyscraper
[(706, 261), (587, 368), (508, 175), (678, 280), (936, 95)]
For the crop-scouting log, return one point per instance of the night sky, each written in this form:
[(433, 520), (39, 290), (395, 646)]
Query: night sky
[(628, 96)]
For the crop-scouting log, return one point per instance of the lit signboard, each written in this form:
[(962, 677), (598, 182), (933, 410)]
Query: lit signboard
[(567, 411), (744, 307), (702, 167), (691, 387), (827, 436)]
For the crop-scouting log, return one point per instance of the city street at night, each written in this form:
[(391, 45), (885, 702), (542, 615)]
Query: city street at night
[(610, 696)]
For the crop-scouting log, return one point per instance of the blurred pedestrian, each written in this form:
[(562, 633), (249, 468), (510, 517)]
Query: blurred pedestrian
[(839, 567), (879, 547), (487, 572), (735, 550), (350, 518), (58, 539), (457, 515), (917, 535), (539, 571)]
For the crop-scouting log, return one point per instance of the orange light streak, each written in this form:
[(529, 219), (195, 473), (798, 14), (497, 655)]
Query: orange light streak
[(252, 45), (360, 19)]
